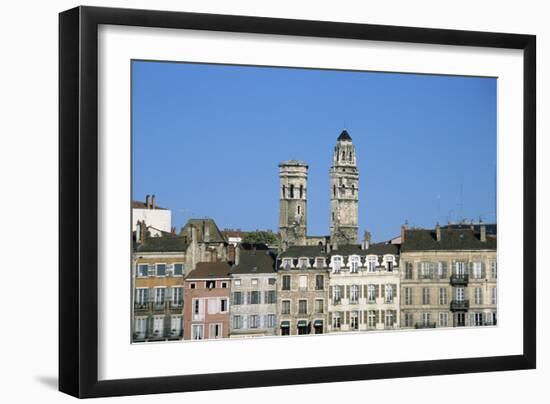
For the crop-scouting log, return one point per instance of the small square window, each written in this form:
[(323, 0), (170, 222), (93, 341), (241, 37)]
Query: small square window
[(193, 285), (271, 281), (224, 285), (254, 281), (237, 282)]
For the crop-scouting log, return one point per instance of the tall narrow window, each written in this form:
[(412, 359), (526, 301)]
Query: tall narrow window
[(301, 191), (298, 210), (333, 194), (292, 190), (353, 189), (284, 191)]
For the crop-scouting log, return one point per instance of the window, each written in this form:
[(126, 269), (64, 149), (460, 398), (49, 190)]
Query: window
[(336, 264), (408, 295), (143, 270), (389, 319), (140, 327), (427, 269), (286, 282), (460, 268), (319, 304), (271, 281), (198, 309), (298, 210), (213, 306), (425, 295), (270, 297), (158, 326), (443, 296), (224, 285), (408, 270), (319, 282), (319, 262), (302, 263), (389, 262), (302, 306), (178, 269), (371, 263), (408, 320), (371, 318), (494, 269), (285, 307), (301, 191), (223, 305), (210, 284), (354, 266), (336, 320), (352, 188), (177, 296), (425, 319), (215, 331), (460, 319), (254, 282), (476, 270), (192, 285), (477, 295), (161, 269), (371, 293), (302, 282), (254, 297), (478, 319), (175, 326), (494, 296), (354, 320), (292, 190), (389, 293), (271, 319), (354, 294), (443, 319), (237, 298), (237, 322), (336, 294), (253, 321), (237, 282), (287, 263), (459, 294), (142, 297), (160, 294)]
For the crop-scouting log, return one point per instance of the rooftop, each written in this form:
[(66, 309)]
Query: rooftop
[(451, 239), (206, 270), (251, 262)]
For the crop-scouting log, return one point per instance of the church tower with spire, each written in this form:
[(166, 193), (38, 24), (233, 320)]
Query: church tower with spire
[(344, 192)]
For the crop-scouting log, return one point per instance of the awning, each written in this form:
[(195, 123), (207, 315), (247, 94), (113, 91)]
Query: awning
[(285, 324), (318, 323), (302, 323)]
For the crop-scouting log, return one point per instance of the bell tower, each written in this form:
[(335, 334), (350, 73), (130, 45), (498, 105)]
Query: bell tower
[(344, 192), (293, 203)]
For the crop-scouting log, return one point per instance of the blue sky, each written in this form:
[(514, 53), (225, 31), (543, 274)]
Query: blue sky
[(207, 140)]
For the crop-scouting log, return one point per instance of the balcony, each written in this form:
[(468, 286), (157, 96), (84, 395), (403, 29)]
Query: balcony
[(175, 307), (460, 305), (141, 307), (429, 324), (459, 279)]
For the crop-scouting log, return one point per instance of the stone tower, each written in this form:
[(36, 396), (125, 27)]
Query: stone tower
[(344, 192), (293, 203)]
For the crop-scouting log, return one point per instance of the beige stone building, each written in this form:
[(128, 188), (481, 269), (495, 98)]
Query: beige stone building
[(302, 291), (364, 287), (449, 276)]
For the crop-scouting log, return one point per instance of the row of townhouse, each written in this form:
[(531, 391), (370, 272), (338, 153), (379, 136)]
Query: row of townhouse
[(441, 277)]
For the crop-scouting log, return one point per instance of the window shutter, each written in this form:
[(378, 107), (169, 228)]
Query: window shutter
[(377, 290), (331, 293), (394, 291), (471, 269), (359, 291), (483, 269), (248, 297), (383, 291), (330, 319), (366, 316), (376, 317), (347, 317), (444, 269), (383, 316)]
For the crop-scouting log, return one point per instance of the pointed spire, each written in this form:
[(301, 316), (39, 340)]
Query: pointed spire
[(344, 136)]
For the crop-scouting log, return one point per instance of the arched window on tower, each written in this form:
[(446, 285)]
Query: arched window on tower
[(353, 189), (292, 190), (343, 155), (284, 191), (350, 159), (334, 190), (301, 191), (298, 210)]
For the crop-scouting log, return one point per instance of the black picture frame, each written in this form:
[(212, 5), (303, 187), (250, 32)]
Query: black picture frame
[(78, 201)]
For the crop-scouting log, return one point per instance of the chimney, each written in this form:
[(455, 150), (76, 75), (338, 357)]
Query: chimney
[(148, 202), (237, 254), (403, 228), (138, 231), (141, 228), (482, 232), (437, 232), (153, 202), (366, 240)]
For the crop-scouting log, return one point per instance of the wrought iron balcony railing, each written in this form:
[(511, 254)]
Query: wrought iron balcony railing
[(460, 305), (459, 279)]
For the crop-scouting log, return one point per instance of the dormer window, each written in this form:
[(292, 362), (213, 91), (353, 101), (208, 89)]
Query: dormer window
[(336, 264), (319, 262), (354, 264), (287, 263), (302, 263), (371, 263), (389, 260)]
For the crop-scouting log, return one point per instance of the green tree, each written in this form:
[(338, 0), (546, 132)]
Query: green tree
[(260, 237)]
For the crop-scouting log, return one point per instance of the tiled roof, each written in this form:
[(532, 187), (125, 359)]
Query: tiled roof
[(303, 251), (169, 243), (205, 270), (451, 239), (251, 262)]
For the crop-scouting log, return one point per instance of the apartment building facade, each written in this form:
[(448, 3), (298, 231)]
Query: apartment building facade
[(449, 277), (364, 287), (207, 301), (253, 308), (302, 290)]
